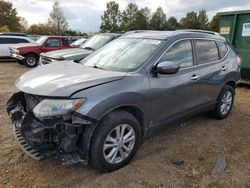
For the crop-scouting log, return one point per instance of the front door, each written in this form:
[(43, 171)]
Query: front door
[(52, 44), (175, 94)]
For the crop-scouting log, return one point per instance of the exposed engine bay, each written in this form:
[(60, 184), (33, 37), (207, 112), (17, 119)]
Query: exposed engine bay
[(65, 137)]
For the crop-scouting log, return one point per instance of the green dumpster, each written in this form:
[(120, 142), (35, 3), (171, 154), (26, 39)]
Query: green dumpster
[(235, 26)]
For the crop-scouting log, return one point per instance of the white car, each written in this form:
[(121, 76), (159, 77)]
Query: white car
[(7, 40)]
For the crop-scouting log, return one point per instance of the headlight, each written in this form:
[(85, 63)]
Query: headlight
[(57, 107)]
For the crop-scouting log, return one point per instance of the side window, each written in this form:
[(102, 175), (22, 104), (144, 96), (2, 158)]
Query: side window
[(21, 41), (180, 53), (2, 40), (7, 41), (222, 49), (53, 43), (65, 42), (207, 51)]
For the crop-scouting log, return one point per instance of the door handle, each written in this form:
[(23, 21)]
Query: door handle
[(224, 68), (194, 77)]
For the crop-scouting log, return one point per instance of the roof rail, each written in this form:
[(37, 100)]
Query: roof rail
[(13, 34), (200, 31)]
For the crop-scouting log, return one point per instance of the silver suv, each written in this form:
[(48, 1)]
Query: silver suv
[(100, 110)]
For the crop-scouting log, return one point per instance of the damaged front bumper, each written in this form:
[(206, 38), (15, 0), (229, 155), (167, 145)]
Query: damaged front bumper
[(66, 138)]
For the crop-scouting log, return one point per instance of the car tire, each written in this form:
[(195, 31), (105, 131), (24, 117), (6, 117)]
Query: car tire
[(107, 152), (31, 60), (224, 102), (20, 62)]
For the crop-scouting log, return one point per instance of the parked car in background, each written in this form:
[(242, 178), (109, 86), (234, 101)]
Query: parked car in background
[(78, 42), (8, 39), (77, 54), (101, 110), (28, 54)]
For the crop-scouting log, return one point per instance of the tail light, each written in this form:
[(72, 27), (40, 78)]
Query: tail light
[(238, 59)]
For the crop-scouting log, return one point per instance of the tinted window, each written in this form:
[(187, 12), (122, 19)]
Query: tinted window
[(53, 43), (222, 49), (180, 53), (206, 51), (12, 40)]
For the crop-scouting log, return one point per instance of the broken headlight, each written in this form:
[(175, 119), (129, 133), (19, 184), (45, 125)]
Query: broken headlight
[(57, 107)]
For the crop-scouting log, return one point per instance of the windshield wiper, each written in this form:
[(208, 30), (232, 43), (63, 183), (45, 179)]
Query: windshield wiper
[(89, 48)]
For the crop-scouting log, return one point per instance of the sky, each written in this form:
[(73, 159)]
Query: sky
[(85, 15)]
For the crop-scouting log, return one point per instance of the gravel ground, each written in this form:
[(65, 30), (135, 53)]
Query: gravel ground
[(198, 142)]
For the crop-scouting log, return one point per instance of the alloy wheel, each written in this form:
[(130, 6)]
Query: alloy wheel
[(226, 102), (119, 143)]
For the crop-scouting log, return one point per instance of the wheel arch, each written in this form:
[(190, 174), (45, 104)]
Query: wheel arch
[(231, 83)]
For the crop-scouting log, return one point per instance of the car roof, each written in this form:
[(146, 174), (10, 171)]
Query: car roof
[(164, 35), (12, 36)]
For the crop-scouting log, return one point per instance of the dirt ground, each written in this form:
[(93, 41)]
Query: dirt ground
[(197, 142)]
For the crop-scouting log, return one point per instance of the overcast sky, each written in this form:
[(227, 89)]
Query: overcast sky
[(85, 15)]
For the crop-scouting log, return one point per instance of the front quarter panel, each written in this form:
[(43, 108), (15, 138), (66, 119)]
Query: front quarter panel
[(133, 90)]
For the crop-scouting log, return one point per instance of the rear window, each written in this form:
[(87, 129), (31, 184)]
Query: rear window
[(65, 42), (12, 40), (222, 49), (207, 51)]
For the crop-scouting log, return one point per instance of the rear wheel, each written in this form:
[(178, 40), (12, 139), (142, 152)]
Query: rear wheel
[(31, 60), (225, 102), (115, 141)]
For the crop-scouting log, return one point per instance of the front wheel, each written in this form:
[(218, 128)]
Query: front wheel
[(225, 102), (115, 141), (31, 60)]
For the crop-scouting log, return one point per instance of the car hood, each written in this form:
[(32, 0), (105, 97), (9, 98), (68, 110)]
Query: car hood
[(62, 79), (66, 53), (22, 45)]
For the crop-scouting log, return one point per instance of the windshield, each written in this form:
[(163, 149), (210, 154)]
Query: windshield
[(97, 41), (41, 40), (79, 41), (122, 54)]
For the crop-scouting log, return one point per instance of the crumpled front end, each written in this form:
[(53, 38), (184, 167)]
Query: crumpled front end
[(65, 137)]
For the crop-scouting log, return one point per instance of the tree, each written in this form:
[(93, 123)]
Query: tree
[(172, 23), (190, 21), (203, 19), (57, 20), (111, 18), (40, 29), (24, 24), (158, 20), (214, 24), (143, 18), (129, 18), (8, 16), (194, 21), (4, 28)]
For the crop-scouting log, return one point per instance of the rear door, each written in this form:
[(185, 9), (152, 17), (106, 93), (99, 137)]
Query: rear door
[(52, 44), (213, 69), (175, 94)]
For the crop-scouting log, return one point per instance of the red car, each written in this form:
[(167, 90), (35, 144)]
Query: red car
[(28, 54)]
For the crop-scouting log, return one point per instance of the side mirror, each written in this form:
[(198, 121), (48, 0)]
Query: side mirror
[(167, 67)]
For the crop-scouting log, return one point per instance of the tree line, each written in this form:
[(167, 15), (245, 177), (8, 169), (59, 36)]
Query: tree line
[(133, 18), (56, 24), (113, 20)]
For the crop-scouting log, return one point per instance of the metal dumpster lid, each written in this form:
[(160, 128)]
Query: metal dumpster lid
[(233, 12)]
